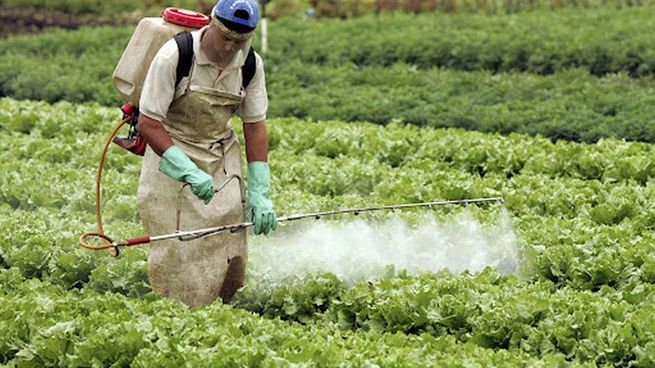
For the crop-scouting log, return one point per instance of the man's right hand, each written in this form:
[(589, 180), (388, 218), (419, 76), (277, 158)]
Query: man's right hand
[(179, 166)]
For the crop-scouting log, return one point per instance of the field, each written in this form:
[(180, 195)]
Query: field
[(560, 124)]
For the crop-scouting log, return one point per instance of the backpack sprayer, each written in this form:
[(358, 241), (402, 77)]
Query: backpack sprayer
[(149, 36)]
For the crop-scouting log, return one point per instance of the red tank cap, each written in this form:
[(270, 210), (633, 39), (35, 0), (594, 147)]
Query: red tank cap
[(186, 18)]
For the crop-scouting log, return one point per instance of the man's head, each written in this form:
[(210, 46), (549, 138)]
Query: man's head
[(236, 18), (233, 23)]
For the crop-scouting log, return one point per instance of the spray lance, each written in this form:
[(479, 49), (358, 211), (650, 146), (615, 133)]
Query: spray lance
[(196, 234)]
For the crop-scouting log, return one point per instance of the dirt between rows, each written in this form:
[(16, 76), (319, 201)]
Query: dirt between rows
[(14, 21)]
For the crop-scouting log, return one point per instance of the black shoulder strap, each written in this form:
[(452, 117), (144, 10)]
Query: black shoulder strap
[(184, 42), (248, 69)]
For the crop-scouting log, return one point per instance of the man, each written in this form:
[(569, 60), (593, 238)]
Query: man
[(196, 183)]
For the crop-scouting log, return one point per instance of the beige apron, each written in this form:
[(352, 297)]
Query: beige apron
[(198, 271)]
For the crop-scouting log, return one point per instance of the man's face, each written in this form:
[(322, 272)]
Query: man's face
[(225, 46)]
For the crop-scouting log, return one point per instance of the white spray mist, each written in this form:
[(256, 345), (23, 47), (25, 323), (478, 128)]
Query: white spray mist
[(361, 250)]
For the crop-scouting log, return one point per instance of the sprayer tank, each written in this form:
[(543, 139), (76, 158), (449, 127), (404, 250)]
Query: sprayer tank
[(148, 37), (150, 34)]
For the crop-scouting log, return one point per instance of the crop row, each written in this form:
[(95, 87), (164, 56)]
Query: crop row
[(490, 310), (45, 325), (596, 200), (43, 134), (569, 105), (601, 41), (485, 310)]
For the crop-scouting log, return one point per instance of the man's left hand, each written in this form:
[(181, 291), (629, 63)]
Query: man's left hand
[(259, 205)]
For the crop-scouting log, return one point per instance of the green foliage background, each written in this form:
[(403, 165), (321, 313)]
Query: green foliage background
[(588, 77)]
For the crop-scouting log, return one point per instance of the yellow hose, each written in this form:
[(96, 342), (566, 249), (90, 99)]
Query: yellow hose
[(112, 249)]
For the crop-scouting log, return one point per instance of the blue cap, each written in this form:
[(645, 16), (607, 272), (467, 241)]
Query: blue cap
[(238, 15)]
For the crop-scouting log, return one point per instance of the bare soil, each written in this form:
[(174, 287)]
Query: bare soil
[(15, 21)]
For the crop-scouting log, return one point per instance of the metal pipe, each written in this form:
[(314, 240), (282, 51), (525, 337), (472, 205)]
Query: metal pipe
[(195, 234)]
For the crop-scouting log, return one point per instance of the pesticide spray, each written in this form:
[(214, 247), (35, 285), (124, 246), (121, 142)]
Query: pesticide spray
[(361, 250)]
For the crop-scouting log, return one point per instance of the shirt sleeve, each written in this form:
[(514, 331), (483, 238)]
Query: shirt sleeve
[(159, 86), (255, 104)]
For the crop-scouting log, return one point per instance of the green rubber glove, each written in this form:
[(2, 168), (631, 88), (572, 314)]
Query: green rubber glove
[(179, 166), (260, 207)]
